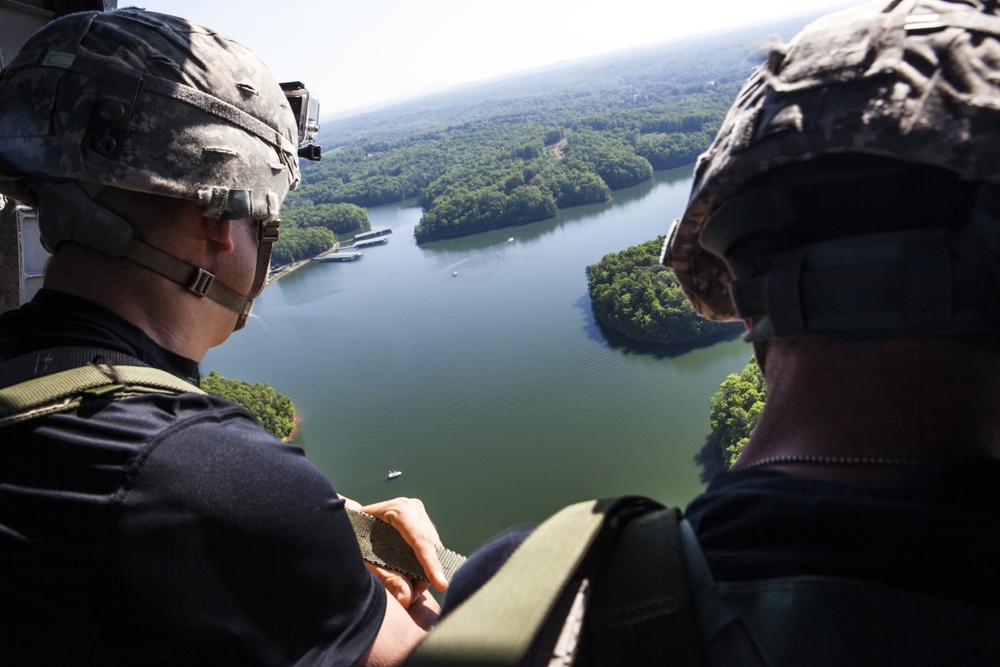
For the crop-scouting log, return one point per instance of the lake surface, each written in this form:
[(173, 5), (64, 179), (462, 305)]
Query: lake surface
[(493, 390)]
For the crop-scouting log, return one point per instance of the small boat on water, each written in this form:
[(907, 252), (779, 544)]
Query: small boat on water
[(393, 474), (454, 274), (510, 240)]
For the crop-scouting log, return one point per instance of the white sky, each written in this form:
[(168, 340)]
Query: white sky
[(356, 53)]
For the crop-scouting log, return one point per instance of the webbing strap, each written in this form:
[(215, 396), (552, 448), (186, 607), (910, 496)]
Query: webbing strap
[(112, 235), (54, 359), (901, 283), (382, 545), (726, 639), (497, 625), (196, 280), (67, 389), (203, 283), (642, 605)]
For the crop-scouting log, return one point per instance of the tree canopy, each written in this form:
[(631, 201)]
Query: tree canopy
[(338, 218), (309, 229), (631, 292), (736, 407), (518, 150), (296, 244), (272, 409)]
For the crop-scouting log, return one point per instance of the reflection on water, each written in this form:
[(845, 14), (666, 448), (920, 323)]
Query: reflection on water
[(493, 390), (618, 341)]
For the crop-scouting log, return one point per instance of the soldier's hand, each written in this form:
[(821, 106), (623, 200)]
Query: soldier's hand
[(410, 519)]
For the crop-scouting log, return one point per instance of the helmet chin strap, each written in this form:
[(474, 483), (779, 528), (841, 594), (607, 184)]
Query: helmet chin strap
[(267, 236), (203, 283), (112, 235)]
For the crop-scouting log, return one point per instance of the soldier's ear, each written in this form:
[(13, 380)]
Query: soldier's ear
[(219, 231)]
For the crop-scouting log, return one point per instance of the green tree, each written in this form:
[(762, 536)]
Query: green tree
[(338, 218), (736, 407), (631, 292), (296, 244), (273, 410), (576, 133)]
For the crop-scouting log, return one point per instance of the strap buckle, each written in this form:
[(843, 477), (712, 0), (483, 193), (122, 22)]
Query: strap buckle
[(269, 232), (201, 283)]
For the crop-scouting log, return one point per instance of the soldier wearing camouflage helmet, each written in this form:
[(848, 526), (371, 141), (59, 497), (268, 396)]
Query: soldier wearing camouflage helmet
[(165, 528), (849, 213), (148, 114)]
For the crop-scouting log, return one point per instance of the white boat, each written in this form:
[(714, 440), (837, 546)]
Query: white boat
[(510, 240), (393, 474), (454, 274)]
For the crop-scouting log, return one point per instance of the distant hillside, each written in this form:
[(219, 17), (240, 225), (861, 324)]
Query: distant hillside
[(516, 150), (579, 79)]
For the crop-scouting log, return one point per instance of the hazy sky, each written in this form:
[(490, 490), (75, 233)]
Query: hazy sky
[(355, 53)]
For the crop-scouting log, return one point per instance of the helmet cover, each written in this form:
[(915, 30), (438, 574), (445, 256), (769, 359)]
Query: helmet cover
[(147, 102), (910, 80)]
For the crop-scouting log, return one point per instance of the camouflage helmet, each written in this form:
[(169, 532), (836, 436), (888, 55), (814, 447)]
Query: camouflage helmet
[(914, 81), (151, 103), (148, 102)]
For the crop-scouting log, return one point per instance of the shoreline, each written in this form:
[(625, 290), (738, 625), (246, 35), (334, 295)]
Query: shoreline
[(296, 427), (279, 273)]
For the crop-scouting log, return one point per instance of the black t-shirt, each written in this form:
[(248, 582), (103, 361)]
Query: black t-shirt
[(936, 531), (167, 530)]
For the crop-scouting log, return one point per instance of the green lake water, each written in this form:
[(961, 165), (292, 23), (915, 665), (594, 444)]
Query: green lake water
[(493, 390)]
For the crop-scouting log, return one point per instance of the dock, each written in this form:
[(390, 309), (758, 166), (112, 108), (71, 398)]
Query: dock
[(341, 257), (371, 235), (381, 240)]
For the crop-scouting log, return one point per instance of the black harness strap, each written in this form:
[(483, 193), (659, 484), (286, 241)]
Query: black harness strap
[(56, 359), (642, 605)]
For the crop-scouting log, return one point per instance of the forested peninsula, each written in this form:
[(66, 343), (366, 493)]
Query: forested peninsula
[(520, 149), (631, 292), (272, 409), (306, 231)]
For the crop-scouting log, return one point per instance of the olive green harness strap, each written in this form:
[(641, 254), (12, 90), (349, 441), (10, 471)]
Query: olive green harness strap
[(68, 389), (382, 545), (499, 624), (39, 395)]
